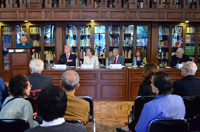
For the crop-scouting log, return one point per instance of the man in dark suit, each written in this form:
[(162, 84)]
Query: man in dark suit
[(116, 58), (189, 84), (67, 58), (179, 57), (37, 80)]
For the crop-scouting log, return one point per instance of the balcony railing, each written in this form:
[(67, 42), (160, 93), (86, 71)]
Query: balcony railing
[(130, 4)]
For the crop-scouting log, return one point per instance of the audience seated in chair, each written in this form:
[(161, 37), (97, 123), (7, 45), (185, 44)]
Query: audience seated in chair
[(37, 80), (52, 104), (77, 108), (189, 84), (15, 106), (163, 106), (3, 91)]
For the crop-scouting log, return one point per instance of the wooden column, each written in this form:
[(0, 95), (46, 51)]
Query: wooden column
[(35, 4), (75, 3), (59, 43), (132, 4), (159, 3), (172, 4), (62, 3), (48, 3), (198, 4), (145, 4), (90, 3), (117, 3), (104, 3), (9, 3), (186, 4), (22, 3)]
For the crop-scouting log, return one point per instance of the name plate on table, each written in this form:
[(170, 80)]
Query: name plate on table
[(84, 66), (115, 66), (59, 66)]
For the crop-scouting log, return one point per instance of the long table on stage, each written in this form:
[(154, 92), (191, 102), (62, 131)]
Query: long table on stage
[(110, 84)]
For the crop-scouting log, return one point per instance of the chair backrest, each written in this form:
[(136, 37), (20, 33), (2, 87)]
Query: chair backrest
[(192, 106), (32, 99), (168, 125), (13, 124), (139, 103), (73, 121), (35, 92), (89, 99)]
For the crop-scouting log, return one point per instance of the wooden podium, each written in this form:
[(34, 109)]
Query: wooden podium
[(19, 59)]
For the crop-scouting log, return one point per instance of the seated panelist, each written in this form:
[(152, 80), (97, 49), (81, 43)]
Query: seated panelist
[(179, 57), (140, 57), (116, 58), (90, 59), (68, 58)]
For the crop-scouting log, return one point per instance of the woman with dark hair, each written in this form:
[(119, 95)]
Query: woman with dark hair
[(140, 57), (90, 58), (145, 87), (165, 105), (15, 106)]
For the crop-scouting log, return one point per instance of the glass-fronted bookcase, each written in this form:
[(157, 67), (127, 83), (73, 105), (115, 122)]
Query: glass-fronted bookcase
[(171, 37), (104, 37)]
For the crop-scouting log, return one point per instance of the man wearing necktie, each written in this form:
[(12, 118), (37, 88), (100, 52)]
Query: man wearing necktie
[(68, 58), (116, 58), (179, 57)]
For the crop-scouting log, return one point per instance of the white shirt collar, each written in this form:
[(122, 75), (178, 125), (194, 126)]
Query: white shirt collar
[(55, 122), (68, 54)]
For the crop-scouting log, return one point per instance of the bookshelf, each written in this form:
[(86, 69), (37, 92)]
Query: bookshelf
[(114, 37), (7, 41)]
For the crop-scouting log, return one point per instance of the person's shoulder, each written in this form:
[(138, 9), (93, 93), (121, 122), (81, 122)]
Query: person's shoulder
[(75, 127), (34, 129), (62, 55), (29, 45)]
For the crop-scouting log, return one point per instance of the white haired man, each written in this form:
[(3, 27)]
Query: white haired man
[(37, 80), (189, 84), (116, 58), (77, 108), (179, 57), (68, 58)]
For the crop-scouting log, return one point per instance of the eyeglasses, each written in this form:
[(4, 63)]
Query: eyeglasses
[(183, 68), (30, 86)]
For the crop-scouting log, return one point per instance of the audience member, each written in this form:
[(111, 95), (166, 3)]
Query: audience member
[(52, 104), (77, 108), (189, 84), (140, 57), (116, 58), (37, 80), (179, 57), (163, 106), (15, 106), (3, 91), (90, 58), (145, 87), (68, 58)]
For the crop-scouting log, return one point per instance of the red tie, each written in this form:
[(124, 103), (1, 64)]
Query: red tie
[(67, 56), (115, 60)]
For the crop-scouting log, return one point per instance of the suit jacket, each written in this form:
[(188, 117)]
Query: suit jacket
[(173, 62), (187, 86), (63, 59), (77, 109), (120, 60), (39, 81)]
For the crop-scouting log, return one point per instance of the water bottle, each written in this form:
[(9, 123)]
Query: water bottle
[(76, 62), (48, 63), (106, 61), (80, 63), (134, 62), (192, 59)]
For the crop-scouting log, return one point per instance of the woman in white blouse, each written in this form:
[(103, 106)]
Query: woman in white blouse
[(90, 58)]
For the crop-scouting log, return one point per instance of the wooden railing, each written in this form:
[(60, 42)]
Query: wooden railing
[(131, 4)]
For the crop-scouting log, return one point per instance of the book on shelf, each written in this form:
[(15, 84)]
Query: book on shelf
[(190, 29), (36, 55), (34, 30)]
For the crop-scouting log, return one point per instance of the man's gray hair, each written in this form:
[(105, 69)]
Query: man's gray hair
[(36, 65), (191, 67), (116, 49), (68, 47), (24, 35), (182, 50), (70, 80)]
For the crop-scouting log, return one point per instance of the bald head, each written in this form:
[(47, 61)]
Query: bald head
[(191, 67), (36, 65), (70, 80)]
